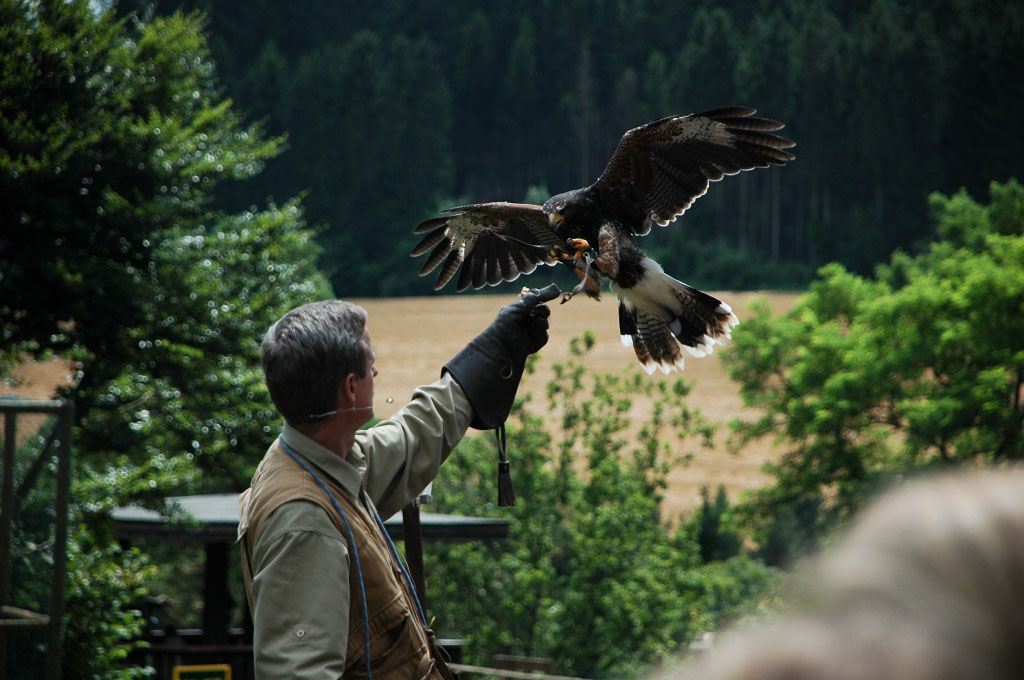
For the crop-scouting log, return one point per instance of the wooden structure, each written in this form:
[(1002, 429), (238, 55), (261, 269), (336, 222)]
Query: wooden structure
[(15, 620), (212, 520)]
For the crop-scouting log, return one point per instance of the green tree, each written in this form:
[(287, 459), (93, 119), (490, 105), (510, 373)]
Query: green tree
[(259, 92), (715, 538), (188, 411), (921, 366), (372, 170), (708, 56), (847, 79), (473, 95), (655, 87), (519, 100), (113, 151), (113, 142), (590, 575)]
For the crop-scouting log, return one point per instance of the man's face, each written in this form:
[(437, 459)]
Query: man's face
[(364, 387)]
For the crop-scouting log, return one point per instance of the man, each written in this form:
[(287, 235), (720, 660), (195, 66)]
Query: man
[(328, 595)]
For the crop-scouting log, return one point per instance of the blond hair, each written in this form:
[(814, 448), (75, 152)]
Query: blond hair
[(928, 584)]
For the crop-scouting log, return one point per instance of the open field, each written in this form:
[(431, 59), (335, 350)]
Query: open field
[(37, 380), (413, 337)]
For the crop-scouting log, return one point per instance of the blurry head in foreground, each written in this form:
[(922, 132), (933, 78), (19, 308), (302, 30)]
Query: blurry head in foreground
[(928, 584)]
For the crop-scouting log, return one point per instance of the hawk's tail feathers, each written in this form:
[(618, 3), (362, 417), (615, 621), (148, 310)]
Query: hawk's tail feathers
[(661, 315)]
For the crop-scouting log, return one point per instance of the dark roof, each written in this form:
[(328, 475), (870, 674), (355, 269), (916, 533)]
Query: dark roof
[(214, 517)]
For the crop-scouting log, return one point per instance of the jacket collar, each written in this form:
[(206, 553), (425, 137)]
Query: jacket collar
[(348, 473)]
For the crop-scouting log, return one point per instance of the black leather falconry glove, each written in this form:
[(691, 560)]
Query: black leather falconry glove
[(489, 368)]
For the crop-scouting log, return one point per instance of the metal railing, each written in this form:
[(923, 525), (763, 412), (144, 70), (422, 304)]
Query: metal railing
[(15, 620)]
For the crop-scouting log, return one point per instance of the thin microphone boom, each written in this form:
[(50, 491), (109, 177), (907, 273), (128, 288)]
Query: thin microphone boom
[(325, 414), (339, 410)]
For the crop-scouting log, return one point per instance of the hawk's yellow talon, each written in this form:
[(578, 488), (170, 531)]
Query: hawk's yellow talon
[(581, 246), (560, 255)]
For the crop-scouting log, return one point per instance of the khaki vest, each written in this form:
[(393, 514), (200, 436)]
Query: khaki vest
[(400, 644)]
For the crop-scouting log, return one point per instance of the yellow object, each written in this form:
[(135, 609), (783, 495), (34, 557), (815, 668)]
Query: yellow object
[(216, 671)]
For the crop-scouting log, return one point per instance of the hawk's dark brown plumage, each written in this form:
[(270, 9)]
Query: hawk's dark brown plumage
[(657, 171)]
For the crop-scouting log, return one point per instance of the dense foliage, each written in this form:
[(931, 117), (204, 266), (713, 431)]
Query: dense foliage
[(590, 576), (120, 260), (113, 142), (137, 239), (867, 378), (393, 108)]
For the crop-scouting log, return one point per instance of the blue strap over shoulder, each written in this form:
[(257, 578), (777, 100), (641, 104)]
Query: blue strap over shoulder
[(355, 551)]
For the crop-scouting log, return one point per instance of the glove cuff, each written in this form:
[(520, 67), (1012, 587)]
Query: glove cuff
[(490, 382)]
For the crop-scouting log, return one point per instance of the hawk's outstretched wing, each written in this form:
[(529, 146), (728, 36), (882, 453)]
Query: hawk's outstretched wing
[(496, 241), (666, 165)]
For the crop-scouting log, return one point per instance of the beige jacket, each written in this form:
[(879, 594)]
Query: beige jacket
[(304, 594)]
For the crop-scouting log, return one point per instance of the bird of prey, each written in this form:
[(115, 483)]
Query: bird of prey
[(657, 171)]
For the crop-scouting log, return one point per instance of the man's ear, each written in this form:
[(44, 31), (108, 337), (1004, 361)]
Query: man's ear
[(347, 389)]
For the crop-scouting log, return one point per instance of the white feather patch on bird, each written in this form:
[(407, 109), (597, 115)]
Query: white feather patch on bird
[(659, 296), (667, 367), (733, 320), (653, 292), (704, 129)]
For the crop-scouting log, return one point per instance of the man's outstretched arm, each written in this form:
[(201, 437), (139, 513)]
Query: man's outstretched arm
[(477, 388)]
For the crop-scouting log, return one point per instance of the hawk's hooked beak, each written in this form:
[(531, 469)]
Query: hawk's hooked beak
[(555, 219)]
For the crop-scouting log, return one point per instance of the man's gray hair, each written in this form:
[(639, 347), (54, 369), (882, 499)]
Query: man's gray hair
[(308, 352)]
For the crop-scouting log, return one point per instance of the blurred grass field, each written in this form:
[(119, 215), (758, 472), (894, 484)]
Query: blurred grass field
[(413, 337)]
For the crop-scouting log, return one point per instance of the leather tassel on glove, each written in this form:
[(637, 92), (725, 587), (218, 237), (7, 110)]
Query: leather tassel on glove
[(490, 367)]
